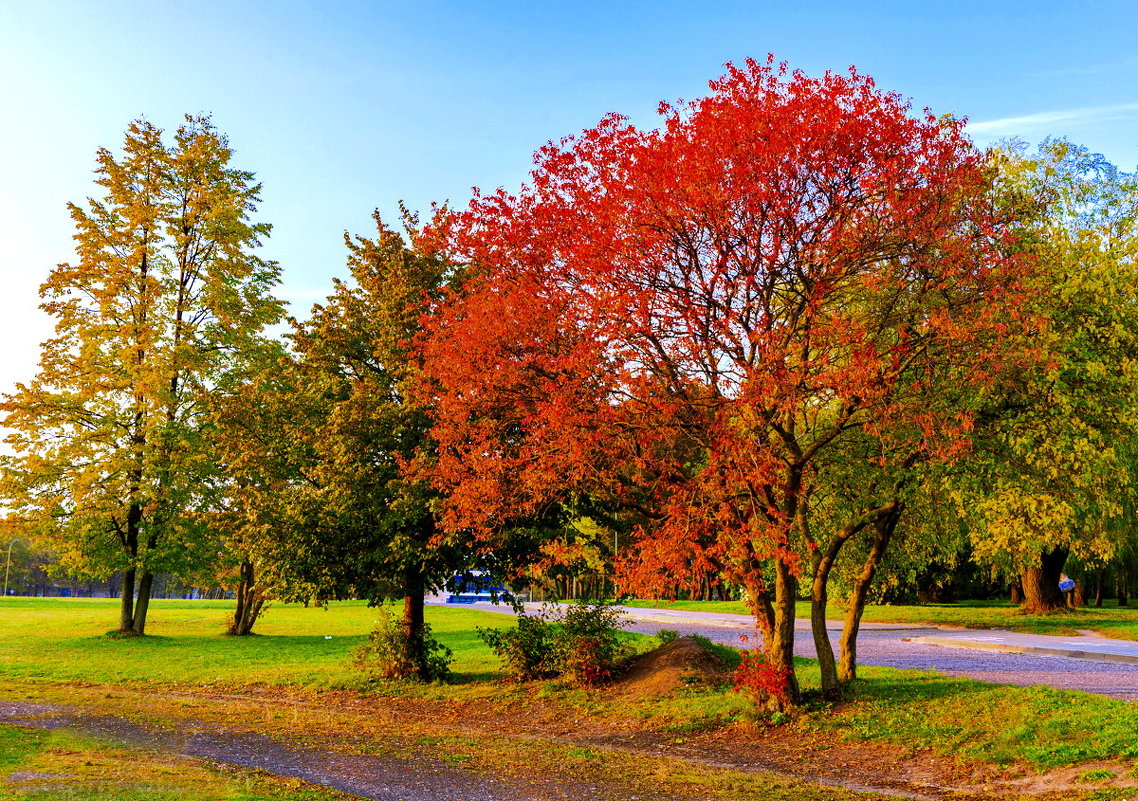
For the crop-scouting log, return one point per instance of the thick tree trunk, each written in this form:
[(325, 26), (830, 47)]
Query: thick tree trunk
[(142, 602), (883, 529), (1098, 588), (1041, 583), (126, 605), (413, 619)]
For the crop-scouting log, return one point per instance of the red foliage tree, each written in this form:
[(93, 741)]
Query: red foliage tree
[(692, 319)]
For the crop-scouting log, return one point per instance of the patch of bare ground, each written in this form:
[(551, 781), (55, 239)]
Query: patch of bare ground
[(351, 721), (673, 666)]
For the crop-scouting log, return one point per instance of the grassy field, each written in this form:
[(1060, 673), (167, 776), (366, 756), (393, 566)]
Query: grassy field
[(51, 647), (64, 639), (1110, 620)]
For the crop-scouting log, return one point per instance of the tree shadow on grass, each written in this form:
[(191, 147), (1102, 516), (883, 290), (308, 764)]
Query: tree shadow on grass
[(911, 686)]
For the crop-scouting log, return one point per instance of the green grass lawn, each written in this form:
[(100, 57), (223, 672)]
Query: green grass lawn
[(1110, 620), (65, 639)]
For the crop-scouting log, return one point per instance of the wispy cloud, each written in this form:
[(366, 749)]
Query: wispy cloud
[(1095, 69), (1044, 119)]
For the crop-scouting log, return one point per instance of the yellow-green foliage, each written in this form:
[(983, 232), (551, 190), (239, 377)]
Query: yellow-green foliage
[(1055, 470)]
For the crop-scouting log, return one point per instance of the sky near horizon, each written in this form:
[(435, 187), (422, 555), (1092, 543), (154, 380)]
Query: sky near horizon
[(345, 107)]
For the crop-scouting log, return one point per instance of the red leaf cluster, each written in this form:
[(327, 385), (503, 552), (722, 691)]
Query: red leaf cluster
[(686, 319)]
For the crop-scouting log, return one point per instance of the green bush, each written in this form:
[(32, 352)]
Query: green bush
[(588, 645), (584, 646), (526, 650), (388, 654)]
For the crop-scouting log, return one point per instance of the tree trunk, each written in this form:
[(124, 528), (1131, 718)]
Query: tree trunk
[(1041, 583), (1098, 588), (413, 619), (142, 602), (1123, 587), (1079, 594), (126, 606), (883, 529), (758, 598), (1016, 593), (780, 649), (819, 597), (250, 600), (129, 541)]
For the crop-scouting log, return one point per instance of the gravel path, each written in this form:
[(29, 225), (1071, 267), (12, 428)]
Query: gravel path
[(884, 647)]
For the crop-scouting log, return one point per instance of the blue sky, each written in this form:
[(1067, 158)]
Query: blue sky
[(342, 107)]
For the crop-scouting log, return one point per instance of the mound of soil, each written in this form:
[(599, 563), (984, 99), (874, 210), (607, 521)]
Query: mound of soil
[(680, 663)]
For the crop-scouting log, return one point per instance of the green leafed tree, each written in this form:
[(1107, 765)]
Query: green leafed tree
[(1051, 474), (317, 446), (113, 445)]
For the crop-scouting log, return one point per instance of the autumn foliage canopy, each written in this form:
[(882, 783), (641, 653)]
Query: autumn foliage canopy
[(689, 318)]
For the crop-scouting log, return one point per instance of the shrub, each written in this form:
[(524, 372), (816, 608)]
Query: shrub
[(763, 682), (588, 645), (388, 654), (526, 650), (666, 636), (584, 646)]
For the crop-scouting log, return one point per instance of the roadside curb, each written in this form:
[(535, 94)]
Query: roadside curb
[(1013, 648)]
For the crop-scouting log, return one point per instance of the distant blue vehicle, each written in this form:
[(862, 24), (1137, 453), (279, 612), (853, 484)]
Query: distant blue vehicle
[(473, 586)]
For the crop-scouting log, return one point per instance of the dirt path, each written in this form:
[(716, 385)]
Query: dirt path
[(422, 779), (336, 728), (384, 778)]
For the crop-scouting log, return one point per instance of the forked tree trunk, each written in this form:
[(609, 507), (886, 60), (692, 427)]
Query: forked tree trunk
[(250, 601), (883, 529), (1041, 591), (819, 597)]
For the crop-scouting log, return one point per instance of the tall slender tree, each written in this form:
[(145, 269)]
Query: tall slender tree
[(113, 445)]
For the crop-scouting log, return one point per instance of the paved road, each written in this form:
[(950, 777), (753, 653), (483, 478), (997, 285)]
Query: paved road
[(1088, 662)]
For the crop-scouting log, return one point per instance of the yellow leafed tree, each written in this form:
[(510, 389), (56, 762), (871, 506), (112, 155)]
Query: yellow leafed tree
[(158, 313)]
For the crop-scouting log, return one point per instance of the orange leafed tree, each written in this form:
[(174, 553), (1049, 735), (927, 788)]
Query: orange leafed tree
[(694, 319)]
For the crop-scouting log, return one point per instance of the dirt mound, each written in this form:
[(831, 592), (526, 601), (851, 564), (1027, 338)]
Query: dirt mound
[(680, 663)]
